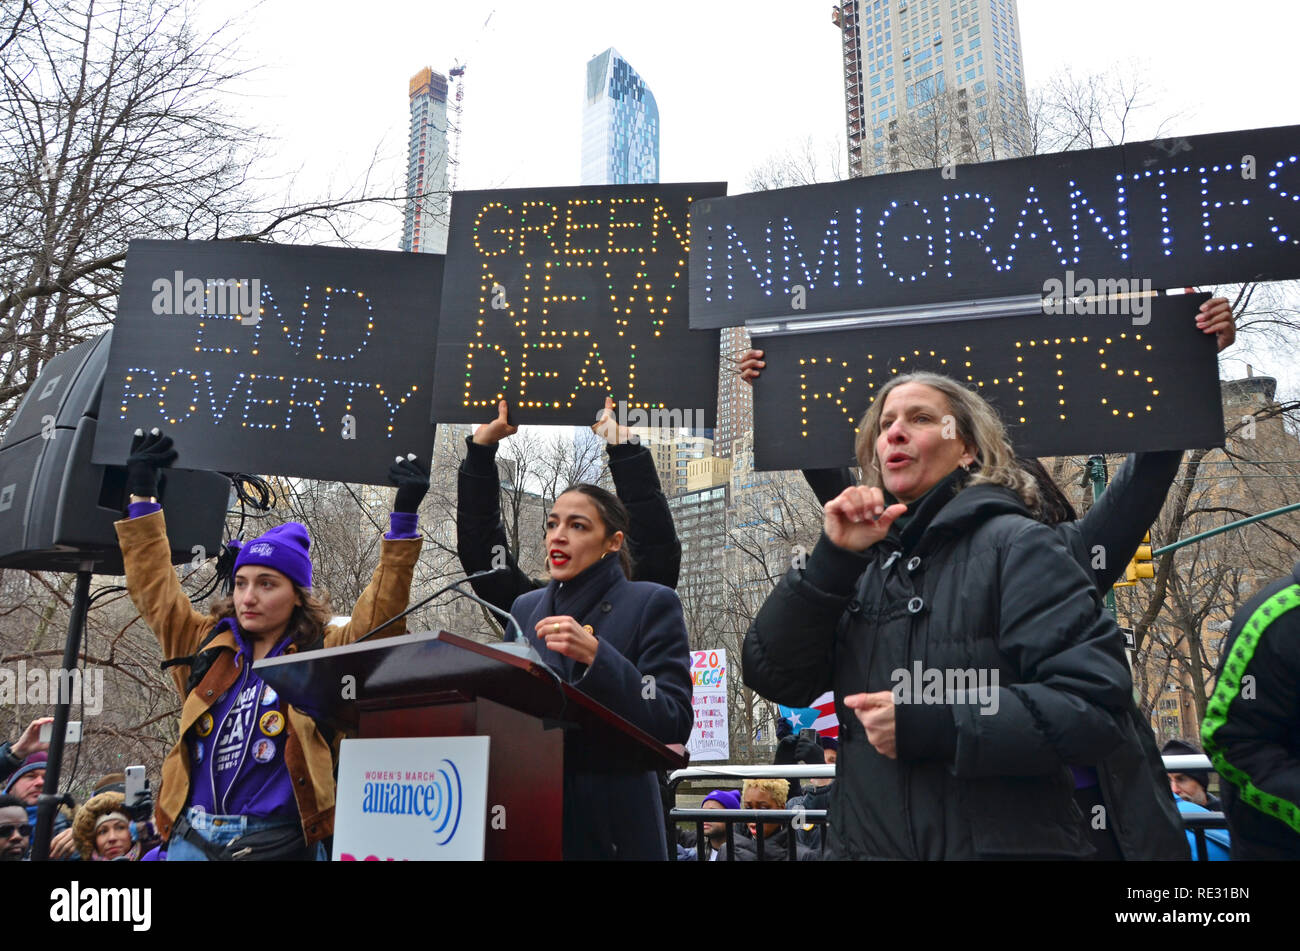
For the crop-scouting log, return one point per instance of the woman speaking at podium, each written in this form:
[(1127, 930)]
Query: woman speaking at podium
[(624, 644), (481, 541), (251, 777)]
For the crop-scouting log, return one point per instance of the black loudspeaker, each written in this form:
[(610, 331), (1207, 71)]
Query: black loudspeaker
[(57, 509)]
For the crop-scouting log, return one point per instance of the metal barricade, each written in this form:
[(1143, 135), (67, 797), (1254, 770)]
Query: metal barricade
[(760, 817), (1195, 823)]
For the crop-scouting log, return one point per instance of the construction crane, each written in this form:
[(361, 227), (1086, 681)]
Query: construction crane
[(456, 77)]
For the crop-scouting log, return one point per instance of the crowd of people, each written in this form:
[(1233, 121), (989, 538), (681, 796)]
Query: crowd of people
[(103, 828), (952, 554)]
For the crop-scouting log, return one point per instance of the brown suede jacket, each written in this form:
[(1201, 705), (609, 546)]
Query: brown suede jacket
[(157, 595)]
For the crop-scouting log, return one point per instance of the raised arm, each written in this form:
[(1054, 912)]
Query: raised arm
[(13, 753), (480, 534), (828, 483), (154, 588), (146, 554), (652, 538), (1115, 524), (389, 590)]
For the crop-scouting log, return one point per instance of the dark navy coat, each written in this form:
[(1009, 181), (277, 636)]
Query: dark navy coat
[(612, 812)]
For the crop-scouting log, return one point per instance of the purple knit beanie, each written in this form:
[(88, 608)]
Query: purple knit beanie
[(729, 798), (283, 548)]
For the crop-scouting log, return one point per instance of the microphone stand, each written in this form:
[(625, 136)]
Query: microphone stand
[(443, 590)]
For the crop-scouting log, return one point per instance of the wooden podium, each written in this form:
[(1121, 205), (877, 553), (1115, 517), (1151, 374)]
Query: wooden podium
[(442, 684)]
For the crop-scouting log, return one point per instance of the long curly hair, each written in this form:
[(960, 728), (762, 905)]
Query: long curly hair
[(977, 425), (307, 623)]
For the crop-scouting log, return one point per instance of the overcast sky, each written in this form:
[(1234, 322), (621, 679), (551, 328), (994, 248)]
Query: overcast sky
[(735, 81)]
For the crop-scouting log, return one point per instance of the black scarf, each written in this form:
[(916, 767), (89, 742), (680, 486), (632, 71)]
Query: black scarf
[(580, 598)]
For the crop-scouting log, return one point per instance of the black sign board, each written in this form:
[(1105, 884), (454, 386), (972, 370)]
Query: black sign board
[(296, 361), (1199, 210), (1063, 384), (558, 297)]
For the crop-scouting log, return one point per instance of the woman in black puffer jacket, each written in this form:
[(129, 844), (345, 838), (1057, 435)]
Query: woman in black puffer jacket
[(969, 645)]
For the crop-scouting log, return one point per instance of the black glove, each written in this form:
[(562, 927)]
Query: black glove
[(412, 481), (809, 751), (149, 452)]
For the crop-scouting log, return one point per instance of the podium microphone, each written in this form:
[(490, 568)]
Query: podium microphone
[(518, 645), (518, 633), (443, 590)]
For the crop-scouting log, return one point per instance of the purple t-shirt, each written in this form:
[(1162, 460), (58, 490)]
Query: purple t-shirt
[(237, 748)]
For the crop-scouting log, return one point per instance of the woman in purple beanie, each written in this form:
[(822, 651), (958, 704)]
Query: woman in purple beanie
[(252, 776)]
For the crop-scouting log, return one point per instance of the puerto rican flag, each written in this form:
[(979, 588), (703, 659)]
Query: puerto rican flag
[(820, 716)]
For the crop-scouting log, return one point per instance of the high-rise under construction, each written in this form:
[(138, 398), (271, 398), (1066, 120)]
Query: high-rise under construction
[(427, 184)]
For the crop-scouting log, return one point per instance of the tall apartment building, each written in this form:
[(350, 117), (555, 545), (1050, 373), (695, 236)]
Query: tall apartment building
[(700, 518), (958, 60), (735, 396), (673, 452), (620, 125), (428, 203)]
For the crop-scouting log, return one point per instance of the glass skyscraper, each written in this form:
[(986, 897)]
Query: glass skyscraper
[(620, 125), (903, 57), (428, 202)]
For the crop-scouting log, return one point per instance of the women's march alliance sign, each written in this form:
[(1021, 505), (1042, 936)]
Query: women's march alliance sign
[(296, 361), (558, 297)]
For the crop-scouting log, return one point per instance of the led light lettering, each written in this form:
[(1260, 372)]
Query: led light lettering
[(545, 341)]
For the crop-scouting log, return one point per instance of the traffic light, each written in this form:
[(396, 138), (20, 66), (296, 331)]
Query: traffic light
[(1141, 566)]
